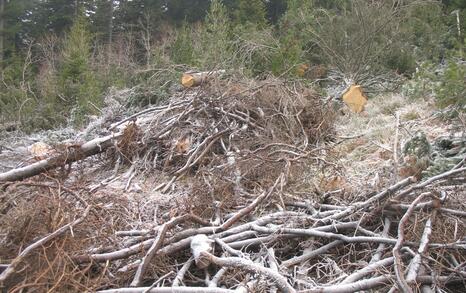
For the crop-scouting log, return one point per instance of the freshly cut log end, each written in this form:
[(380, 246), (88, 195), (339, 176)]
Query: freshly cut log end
[(192, 79), (355, 98), (71, 155), (187, 80)]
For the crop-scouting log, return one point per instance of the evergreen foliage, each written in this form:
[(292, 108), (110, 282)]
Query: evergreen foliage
[(295, 41), (182, 49), (77, 83), (251, 11), (451, 89), (215, 37)]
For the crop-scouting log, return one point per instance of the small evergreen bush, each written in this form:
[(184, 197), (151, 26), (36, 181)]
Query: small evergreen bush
[(451, 89), (446, 84), (423, 83), (79, 87), (215, 42), (182, 48)]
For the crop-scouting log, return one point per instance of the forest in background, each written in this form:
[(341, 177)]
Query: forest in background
[(59, 57)]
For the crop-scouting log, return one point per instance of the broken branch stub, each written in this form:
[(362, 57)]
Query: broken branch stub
[(201, 244), (71, 155)]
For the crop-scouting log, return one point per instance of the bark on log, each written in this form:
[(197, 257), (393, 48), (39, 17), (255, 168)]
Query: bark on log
[(73, 154), (237, 262), (376, 282), (191, 79)]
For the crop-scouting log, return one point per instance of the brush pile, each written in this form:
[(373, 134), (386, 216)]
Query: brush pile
[(215, 194)]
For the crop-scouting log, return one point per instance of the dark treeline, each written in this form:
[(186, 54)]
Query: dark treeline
[(58, 57), (26, 20)]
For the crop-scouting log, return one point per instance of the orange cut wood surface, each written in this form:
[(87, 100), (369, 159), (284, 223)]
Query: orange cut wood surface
[(187, 80), (355, 98)]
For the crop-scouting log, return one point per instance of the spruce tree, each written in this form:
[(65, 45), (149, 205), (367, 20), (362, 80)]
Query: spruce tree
[(215, 37), (251, 11), (77, 82)]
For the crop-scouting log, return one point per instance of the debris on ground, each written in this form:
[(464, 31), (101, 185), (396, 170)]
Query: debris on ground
[(237, 186)]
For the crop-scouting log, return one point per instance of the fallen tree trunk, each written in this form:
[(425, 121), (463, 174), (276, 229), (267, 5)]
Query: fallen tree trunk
[(72, 154), (191, 79), (237, 262)]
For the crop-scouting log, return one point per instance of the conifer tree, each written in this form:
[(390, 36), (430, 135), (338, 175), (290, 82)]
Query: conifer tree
[(215, 35), (251, 11), (77, 81)]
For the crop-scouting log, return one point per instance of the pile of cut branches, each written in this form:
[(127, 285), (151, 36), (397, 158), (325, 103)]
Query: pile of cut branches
[(229, 158)]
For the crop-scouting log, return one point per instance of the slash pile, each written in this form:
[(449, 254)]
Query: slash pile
[(232, 208)]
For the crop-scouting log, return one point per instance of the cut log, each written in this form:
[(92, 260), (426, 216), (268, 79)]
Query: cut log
[(72, 154), (355, 98), (192, 79)]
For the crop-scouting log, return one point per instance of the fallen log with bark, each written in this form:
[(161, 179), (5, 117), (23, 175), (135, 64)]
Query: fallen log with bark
[(192, 79), (71, 154)]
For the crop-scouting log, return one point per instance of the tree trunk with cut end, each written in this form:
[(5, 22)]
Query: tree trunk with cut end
[(192, 79), (73, 154)]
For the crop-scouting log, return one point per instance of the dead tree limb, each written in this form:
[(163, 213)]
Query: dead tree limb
[(71, 155), (250, 207), (216, 278), (415, 267), (316, 233), (401, 281), (356, 276), (139, 247), (378, 253), (352, 287), (309, 255), (228, 249), (157, 244), (180, 275), (362, 205), (374, 283), (430, 181), (250, 266)]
